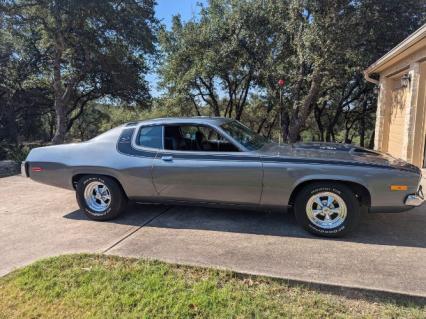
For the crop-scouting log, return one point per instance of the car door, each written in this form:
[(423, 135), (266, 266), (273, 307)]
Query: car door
[(139, 145), (216, 172)]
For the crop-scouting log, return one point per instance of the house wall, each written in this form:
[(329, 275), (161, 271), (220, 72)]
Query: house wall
[(420, 119), (397, 116), (401, 114)]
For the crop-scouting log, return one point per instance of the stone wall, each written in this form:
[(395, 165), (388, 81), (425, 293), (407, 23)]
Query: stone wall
[(8, 168)]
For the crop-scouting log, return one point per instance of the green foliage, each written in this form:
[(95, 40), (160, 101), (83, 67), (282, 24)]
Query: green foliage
[(99, 118), (89, 124), (345, 110), (24, 98), (241, 48), (61, 62), (86, 50), (221, 54), (14, 152), (95, 286), (3, 150)]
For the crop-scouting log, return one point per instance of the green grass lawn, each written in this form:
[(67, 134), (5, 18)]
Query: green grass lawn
[(96, 286)]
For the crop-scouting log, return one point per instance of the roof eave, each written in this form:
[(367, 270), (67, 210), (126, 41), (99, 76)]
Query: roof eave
[(401, 47)]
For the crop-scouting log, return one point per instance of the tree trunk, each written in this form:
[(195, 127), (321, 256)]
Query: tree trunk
[(210, 88), (60, 92), (371, 142), (259, 129), (330, 128), (243, 98), (293, 133), (11, 125), (362, 135), (51, 122), (197, 110), (317, 114), (61, 124), (59, 105), (271, 127), (300, 115), (285, 124), (347, 130)]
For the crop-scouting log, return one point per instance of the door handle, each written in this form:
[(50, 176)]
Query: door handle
[(167, 158)]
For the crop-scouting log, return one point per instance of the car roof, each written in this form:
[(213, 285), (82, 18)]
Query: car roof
[(182, 120)]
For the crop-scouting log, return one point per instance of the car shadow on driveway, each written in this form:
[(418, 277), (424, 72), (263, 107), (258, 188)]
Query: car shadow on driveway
[(400, 229)]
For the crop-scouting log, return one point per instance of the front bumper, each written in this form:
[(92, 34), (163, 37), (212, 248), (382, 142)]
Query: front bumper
[(416, 199)]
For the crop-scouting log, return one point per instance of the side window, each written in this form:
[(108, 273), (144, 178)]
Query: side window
[(195, 138), (150, 136)]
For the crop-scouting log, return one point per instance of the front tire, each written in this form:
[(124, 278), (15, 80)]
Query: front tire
[(327, 209), (100, 197)]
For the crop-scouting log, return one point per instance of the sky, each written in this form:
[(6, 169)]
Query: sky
[(164, 11), (188, 9)]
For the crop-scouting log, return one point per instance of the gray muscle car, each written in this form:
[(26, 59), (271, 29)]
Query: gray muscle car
[(219, 161)]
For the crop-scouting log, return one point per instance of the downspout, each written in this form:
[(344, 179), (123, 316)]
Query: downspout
[(370, 79), (376, 82)]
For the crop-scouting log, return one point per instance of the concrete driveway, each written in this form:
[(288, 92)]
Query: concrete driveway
[(387, 253)]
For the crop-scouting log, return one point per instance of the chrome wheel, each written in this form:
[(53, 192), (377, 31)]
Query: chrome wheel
[(326, 210), (97, 196)]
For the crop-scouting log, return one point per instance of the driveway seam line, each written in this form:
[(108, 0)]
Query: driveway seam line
[(134, 231)]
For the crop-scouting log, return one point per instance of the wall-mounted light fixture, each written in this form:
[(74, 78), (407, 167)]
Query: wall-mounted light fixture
[(376, 89), (405, 80)]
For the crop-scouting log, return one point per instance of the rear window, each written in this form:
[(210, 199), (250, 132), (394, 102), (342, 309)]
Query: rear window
[(150, 136)]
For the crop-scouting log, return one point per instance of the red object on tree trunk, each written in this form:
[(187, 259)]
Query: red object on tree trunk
[(281, 82)]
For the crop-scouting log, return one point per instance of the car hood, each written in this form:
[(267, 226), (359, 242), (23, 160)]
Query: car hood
[(335, 153)]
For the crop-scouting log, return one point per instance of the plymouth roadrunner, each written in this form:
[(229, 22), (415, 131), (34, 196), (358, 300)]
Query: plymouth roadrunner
[(219, 161)]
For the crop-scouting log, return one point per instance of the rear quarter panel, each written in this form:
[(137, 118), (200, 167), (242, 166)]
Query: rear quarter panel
[(60, 163)]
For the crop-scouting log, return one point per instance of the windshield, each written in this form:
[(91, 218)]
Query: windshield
[(243, 135)]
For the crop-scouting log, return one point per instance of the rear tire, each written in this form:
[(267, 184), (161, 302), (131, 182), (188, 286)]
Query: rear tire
[(327, 209), (100, 197)]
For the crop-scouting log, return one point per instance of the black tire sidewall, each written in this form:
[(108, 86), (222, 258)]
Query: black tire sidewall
[(352, 204), (117, 198)]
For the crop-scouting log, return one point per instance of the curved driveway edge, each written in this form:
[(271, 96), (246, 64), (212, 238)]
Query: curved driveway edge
[(387, 254)]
